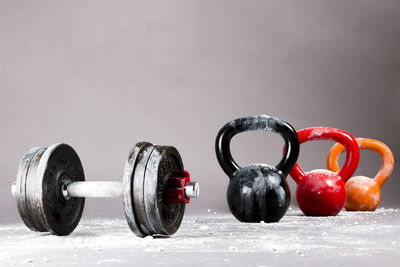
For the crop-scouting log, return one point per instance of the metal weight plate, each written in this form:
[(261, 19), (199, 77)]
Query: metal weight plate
[(57, 214), (30, 184), (21, 189), (138, 190), (127, 187), (164, 217)]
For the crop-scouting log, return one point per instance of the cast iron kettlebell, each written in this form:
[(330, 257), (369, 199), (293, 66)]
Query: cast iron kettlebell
[(364, 193), (257, 192), (322, 192)]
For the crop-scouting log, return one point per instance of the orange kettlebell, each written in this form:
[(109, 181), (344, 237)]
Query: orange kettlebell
[(363, 193)]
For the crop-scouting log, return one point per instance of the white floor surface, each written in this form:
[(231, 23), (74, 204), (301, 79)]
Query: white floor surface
[(349, 239)]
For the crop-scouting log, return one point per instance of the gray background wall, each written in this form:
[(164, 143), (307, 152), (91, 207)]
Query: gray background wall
[(103, 75)]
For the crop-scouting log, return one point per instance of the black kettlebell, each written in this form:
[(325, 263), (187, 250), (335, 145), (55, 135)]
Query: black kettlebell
[(258, 192)]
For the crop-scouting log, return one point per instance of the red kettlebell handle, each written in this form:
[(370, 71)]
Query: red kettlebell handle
[(340, 136)]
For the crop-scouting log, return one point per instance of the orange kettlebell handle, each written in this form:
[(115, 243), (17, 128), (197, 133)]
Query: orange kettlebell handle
[(370, 144)]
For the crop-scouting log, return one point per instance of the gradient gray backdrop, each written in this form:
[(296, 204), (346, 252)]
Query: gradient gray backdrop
[(103, 75)]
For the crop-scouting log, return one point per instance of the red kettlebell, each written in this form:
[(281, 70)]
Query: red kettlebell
[(322, 192)]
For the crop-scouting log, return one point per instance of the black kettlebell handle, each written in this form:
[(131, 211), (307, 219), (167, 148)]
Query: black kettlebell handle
[(255, 123)]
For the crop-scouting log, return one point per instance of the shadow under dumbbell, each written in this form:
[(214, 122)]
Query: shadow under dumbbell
[(160, 236)]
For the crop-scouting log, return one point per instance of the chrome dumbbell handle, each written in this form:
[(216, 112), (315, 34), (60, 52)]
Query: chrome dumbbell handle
[(192, 190), (105, 189), (93, 189), (86, 189)]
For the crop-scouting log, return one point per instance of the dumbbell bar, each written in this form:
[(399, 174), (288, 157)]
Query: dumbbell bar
[(114, 189), (50, 189)]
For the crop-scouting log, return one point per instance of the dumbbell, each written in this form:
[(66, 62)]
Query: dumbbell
[(50, 189)]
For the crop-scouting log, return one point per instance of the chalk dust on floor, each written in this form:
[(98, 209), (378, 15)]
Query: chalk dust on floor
[(352, 238)]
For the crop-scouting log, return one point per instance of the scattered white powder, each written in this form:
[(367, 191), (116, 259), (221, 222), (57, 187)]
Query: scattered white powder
[(27, 261), (102, 262), (358, 236)]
